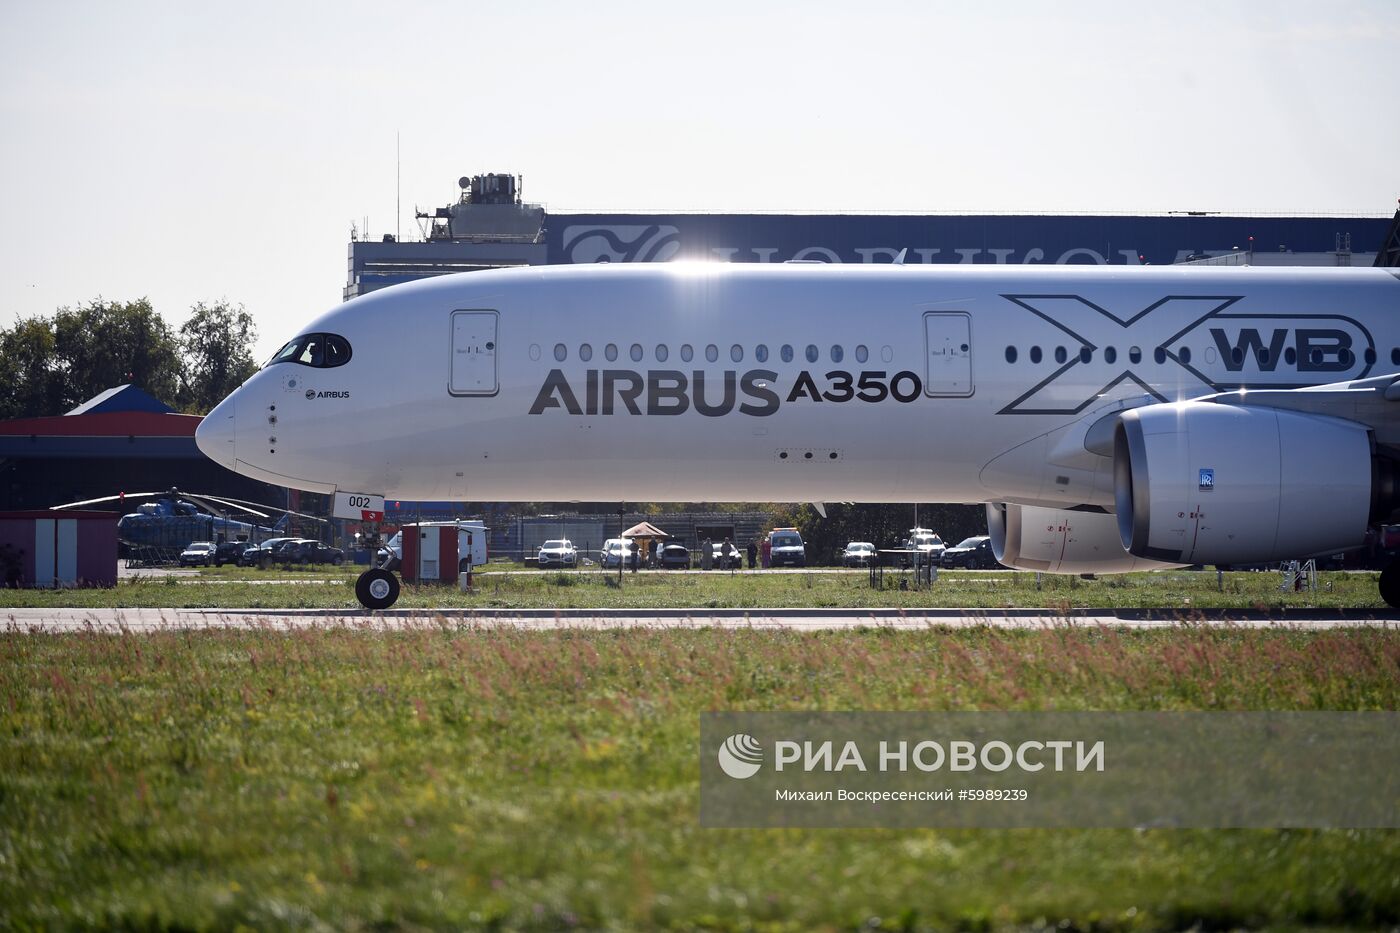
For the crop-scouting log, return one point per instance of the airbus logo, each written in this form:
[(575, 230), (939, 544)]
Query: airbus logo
[(1109, 351)]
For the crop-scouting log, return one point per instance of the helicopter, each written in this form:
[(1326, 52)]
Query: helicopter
[(163, 526)]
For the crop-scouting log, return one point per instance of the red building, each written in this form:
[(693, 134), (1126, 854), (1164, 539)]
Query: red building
[(48, 549)]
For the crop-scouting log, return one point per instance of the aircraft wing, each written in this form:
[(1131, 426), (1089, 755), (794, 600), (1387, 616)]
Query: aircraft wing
[(1374, 402)]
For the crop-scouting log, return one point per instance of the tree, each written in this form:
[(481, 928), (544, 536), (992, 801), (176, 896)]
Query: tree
[(216, 346), (29, 386), (104, 344)]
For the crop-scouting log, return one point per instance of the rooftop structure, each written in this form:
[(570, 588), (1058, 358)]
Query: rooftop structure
[(490, 227)]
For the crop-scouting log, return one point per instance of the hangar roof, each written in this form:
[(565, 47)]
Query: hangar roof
[(122, 398), (121, 422)]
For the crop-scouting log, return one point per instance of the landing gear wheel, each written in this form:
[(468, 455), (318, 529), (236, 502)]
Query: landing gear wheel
[(377, 589), (1390, 584)]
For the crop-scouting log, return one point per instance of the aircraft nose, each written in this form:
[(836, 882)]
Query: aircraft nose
[(215, 434)]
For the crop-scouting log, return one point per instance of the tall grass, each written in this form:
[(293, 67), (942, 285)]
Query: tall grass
[(447, 777)]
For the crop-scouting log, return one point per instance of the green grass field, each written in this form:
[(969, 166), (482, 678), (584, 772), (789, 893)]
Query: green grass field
[(332, 588), (446, 778)]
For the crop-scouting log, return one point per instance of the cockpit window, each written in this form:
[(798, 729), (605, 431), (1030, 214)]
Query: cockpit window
[(321, 351)]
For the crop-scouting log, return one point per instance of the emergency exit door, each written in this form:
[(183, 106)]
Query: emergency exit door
[(473, 353), (948, 354)]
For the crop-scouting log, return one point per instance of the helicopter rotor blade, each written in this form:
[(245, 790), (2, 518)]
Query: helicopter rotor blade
[(227, 504), (125, 495), (274, 508)]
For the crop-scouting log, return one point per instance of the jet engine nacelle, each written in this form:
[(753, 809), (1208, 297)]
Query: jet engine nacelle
[(1206, 483), (1029, 537)]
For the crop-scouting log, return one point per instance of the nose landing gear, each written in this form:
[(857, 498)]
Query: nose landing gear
[(377, 589)]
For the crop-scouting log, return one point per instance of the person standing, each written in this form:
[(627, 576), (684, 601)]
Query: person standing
[(767, 549), (753, 554), (707, 554)]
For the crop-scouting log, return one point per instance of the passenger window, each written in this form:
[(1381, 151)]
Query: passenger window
[(561, 352), (1134, 355), (1395, 356), (662, 353), (610, 351), (760, 353), (1185, 354), (1110, 355), (585, 352), (836, 354), (1060, 355), (812, 353), (635, 352), (1290, 356), (787, 353), (1370, 357), (862, 354), (687, 353), (1035, 354), (736, 353), (1010, 354), (1085, 354), (1237, 356), (1159, 355), (712, 353)]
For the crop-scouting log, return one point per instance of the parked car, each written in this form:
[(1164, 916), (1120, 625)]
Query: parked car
[(786, 548), (199, 553), (558, 553), (929, 545), (972, 553), (858, 554), (229, 552), (673, 557), (306, 551), (618, 551), (736, 556), (261, 555)]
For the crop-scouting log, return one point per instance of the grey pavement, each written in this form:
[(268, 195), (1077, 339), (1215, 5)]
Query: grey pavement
[(147, 620)]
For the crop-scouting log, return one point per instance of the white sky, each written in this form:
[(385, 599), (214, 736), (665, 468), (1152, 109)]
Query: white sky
[(193, 151)]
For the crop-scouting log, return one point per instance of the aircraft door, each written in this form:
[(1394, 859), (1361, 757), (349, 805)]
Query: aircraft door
[(473, 353), (948, 354)]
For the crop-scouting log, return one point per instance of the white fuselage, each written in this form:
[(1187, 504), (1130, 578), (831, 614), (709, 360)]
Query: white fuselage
[(929, 383)]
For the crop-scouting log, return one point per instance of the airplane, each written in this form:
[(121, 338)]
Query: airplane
[(1111, 419)]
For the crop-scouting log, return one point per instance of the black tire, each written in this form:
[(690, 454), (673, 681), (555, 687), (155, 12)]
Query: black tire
[(1390, 584), (335, 561), (377, 589)]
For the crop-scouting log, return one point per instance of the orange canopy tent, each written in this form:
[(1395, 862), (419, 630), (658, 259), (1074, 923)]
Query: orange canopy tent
[(645, 534)]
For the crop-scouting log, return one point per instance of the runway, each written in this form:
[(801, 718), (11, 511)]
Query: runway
[(57, 621)]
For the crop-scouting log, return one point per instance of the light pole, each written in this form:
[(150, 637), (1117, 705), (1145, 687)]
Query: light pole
[(622, 545)]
